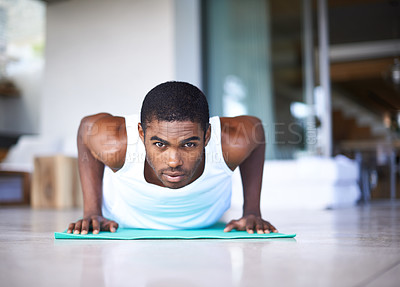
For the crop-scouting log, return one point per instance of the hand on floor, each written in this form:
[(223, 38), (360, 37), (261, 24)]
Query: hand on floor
[(96, 223), (250, 223)]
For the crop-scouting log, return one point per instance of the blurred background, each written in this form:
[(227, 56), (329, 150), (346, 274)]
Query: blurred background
[(324, 76)]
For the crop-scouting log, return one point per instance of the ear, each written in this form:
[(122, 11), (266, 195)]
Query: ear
[(141, 132), (208, 135)]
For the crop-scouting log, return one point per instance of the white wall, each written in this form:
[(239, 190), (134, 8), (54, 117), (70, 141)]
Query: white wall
[(105, 55), (188, 41)]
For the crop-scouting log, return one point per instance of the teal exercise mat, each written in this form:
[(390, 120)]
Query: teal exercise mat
[(213, 232)]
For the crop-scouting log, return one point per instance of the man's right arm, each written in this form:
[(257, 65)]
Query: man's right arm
[(101, 141)]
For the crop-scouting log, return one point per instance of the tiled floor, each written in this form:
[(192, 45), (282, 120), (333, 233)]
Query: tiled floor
[(349, 247)]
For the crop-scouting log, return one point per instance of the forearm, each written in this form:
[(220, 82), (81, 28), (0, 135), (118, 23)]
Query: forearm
[(251, 172), (91, 172)]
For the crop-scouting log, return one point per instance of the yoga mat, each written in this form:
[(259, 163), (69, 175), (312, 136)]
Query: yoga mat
[(213, 232)]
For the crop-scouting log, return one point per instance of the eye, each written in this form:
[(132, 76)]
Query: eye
[(189, 145), (159, 144)]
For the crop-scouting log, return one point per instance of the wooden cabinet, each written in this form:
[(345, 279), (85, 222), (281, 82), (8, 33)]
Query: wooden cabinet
[(55, 183)]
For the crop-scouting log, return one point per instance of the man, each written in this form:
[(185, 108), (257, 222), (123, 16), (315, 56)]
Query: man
[(171, 170)]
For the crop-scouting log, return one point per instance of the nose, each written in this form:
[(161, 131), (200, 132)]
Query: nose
[(174, 158)]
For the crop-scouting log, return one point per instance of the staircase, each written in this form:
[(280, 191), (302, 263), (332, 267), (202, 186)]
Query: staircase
[(351, 121)]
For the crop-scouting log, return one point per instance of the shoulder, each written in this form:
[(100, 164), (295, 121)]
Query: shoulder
[(105, 136), (239, 122), (103, 127), (101, 118), (239, 137)]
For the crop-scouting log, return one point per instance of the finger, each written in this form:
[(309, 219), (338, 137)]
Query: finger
[(250, 224), (113, 226), (85, 226), (78, 226), (259, 226), (109, 225), (71, 227), (230, 226), (272, 228), (95, 225), (268, 227), (249, 230)]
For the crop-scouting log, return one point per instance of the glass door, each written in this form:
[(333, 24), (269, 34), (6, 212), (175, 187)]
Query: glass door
[(256, 63)]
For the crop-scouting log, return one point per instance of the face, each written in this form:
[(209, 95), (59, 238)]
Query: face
[(174, 151)]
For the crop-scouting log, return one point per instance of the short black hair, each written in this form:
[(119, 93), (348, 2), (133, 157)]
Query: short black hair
[(175, 101)]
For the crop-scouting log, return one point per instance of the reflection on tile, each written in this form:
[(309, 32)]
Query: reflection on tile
[(390, 278)]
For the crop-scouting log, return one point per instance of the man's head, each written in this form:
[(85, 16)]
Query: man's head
[(175, 130), (175, 101)]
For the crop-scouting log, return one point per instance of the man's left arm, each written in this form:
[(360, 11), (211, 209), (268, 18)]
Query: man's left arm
[(248, 150)]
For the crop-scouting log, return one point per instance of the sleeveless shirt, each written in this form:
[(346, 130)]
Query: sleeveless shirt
[(134, 203)]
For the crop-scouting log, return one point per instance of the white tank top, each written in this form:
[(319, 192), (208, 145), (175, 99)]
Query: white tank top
[(133, 202)]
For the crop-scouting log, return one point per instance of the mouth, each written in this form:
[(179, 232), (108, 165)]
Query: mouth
[(173, 177)]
